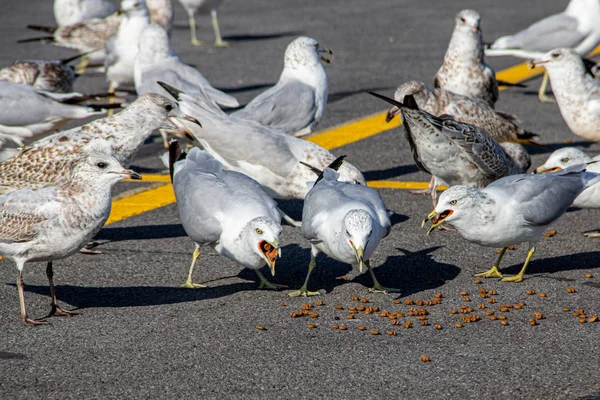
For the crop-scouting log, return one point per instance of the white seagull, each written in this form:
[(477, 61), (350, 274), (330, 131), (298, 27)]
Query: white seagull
[(296, 103), (226, 210), (510, 211), (69, 12), (344, 221), (53, 222)]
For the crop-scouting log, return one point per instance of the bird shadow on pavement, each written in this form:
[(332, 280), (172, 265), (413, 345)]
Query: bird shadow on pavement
[(141, 232), (82, 297), (251, 37), (246, 88), (383, 174), (411, 272), (543, 267)]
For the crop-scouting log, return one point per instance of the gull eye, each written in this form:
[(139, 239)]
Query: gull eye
[(169, 107), (565, 160), (555, 55), (102, 165), (453, 202), (347, 233), (258, 231), (463, 19)]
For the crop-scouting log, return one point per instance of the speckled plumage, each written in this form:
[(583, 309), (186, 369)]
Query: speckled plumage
[(51, 76), (502, 127), (577, 93), (121, 135), (464, 71)]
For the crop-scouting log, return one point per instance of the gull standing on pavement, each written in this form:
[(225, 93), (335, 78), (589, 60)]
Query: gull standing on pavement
[(53, 222), (577, 27), (275, 160), (456, 153), (203, 7), (464, 71), (69, 12), (226, 210), (510, 211), (296, 103), (577, 93), (345, 221)]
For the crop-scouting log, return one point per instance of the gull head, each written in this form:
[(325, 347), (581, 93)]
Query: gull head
[(562, 159), (155, 44), (559, 60), (358, 231), (160, 111), (417, 89), (453, 205), (305, 51), (263, 236), (468, 21), (101, 169), (134, 7)]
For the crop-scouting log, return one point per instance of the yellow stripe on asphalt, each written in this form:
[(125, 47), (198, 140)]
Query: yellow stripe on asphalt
[(333, 138)]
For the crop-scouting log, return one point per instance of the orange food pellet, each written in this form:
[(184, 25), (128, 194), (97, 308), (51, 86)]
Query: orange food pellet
[(338, 307), (538, 315), (481, 306), (453, 311), (335, 326), (570, 290), (361, 308), (320, 303), (542, 295), (261, 328), (391, 333), (489, 312), (283, 304), (409, 302), (425, 358), (493, 318), (582, 320), (492, 292), (504, 322), (364, 300), (438, 295), (397, 301), (463, 293), (350, 316), (407, 325), (466, 299), (550, 233), (530, 292), (424, 323), (533, 322), (459, 325), (362, 328), (374, 332), (311, 326), (396, 322), (492, 301), (566, 309), (343, 327), (437, 326), (478, 281), (593, 318), (589, 276)]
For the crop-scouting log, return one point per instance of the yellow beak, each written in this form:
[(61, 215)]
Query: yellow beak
[(359, 252)]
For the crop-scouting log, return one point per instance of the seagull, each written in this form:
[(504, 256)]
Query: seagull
[(344, 221), (226, 210), (510, 211), (48, 160), (456, 153), (464, 71), (267, 155), (55, 76), (53, 222), (501, 126), (203, 7), (69, 12), (45, 112), (161, 13), (122, 49), (296, 103), (577, 93), (87, 37), (577, 27), (566, 157)]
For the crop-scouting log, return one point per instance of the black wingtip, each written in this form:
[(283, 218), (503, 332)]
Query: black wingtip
[(170, 89), (389, 100), (410, 102), (175, 154), (335, 165), (41, 28), (37, 39), (75, 57)]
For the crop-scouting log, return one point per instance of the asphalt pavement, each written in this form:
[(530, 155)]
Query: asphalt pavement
[(141, 336)]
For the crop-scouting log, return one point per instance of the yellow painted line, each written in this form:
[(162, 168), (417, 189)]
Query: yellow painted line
[(152, 178), (141, 202), (401, 185)]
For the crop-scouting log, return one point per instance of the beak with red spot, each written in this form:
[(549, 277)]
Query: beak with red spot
[(543, 170), (270, 251), (392, 112), (321, 50), (359, 252), (436, 219)]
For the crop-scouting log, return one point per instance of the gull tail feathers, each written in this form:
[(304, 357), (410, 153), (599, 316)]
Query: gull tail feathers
[(330, 171), (204, 161)]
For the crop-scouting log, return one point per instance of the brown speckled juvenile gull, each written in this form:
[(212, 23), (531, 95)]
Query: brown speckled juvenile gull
[(503, 127), (456, 153), (48, 160), (577, 93), (53, 222), (55, 76), (84, 37), (463, 70)]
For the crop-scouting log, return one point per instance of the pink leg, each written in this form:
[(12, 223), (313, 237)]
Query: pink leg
[(56, 310), (24, 316)]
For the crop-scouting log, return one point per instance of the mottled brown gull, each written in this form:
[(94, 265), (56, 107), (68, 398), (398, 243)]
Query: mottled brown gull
[(50, 75), (53, 222)]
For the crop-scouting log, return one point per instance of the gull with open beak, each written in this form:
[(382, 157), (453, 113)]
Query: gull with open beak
[(344, 221), (510, 211), (296, 103), (226, 210), (464, 71), (577, 93)]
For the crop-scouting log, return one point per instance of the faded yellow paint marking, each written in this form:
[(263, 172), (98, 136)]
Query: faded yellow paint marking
[(141, 202), (401, 185)]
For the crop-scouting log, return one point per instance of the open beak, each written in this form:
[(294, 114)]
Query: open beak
[(127, 173), (270, 251), (436, 219), (392, 112), (543, 170), (359, 252), (180, 123), (536, 63), (326, 51), (476, 29)]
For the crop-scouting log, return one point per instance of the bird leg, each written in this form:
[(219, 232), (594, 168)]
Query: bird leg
[(189, 284), (303, 290), (288, 219), (55, 310), (215, 23), (194, 40), (83, 64), (519, 276), (377, 288), (265, 284), (425, 191), (493, 272), (24, 317), (111, 90), (544, 98)]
